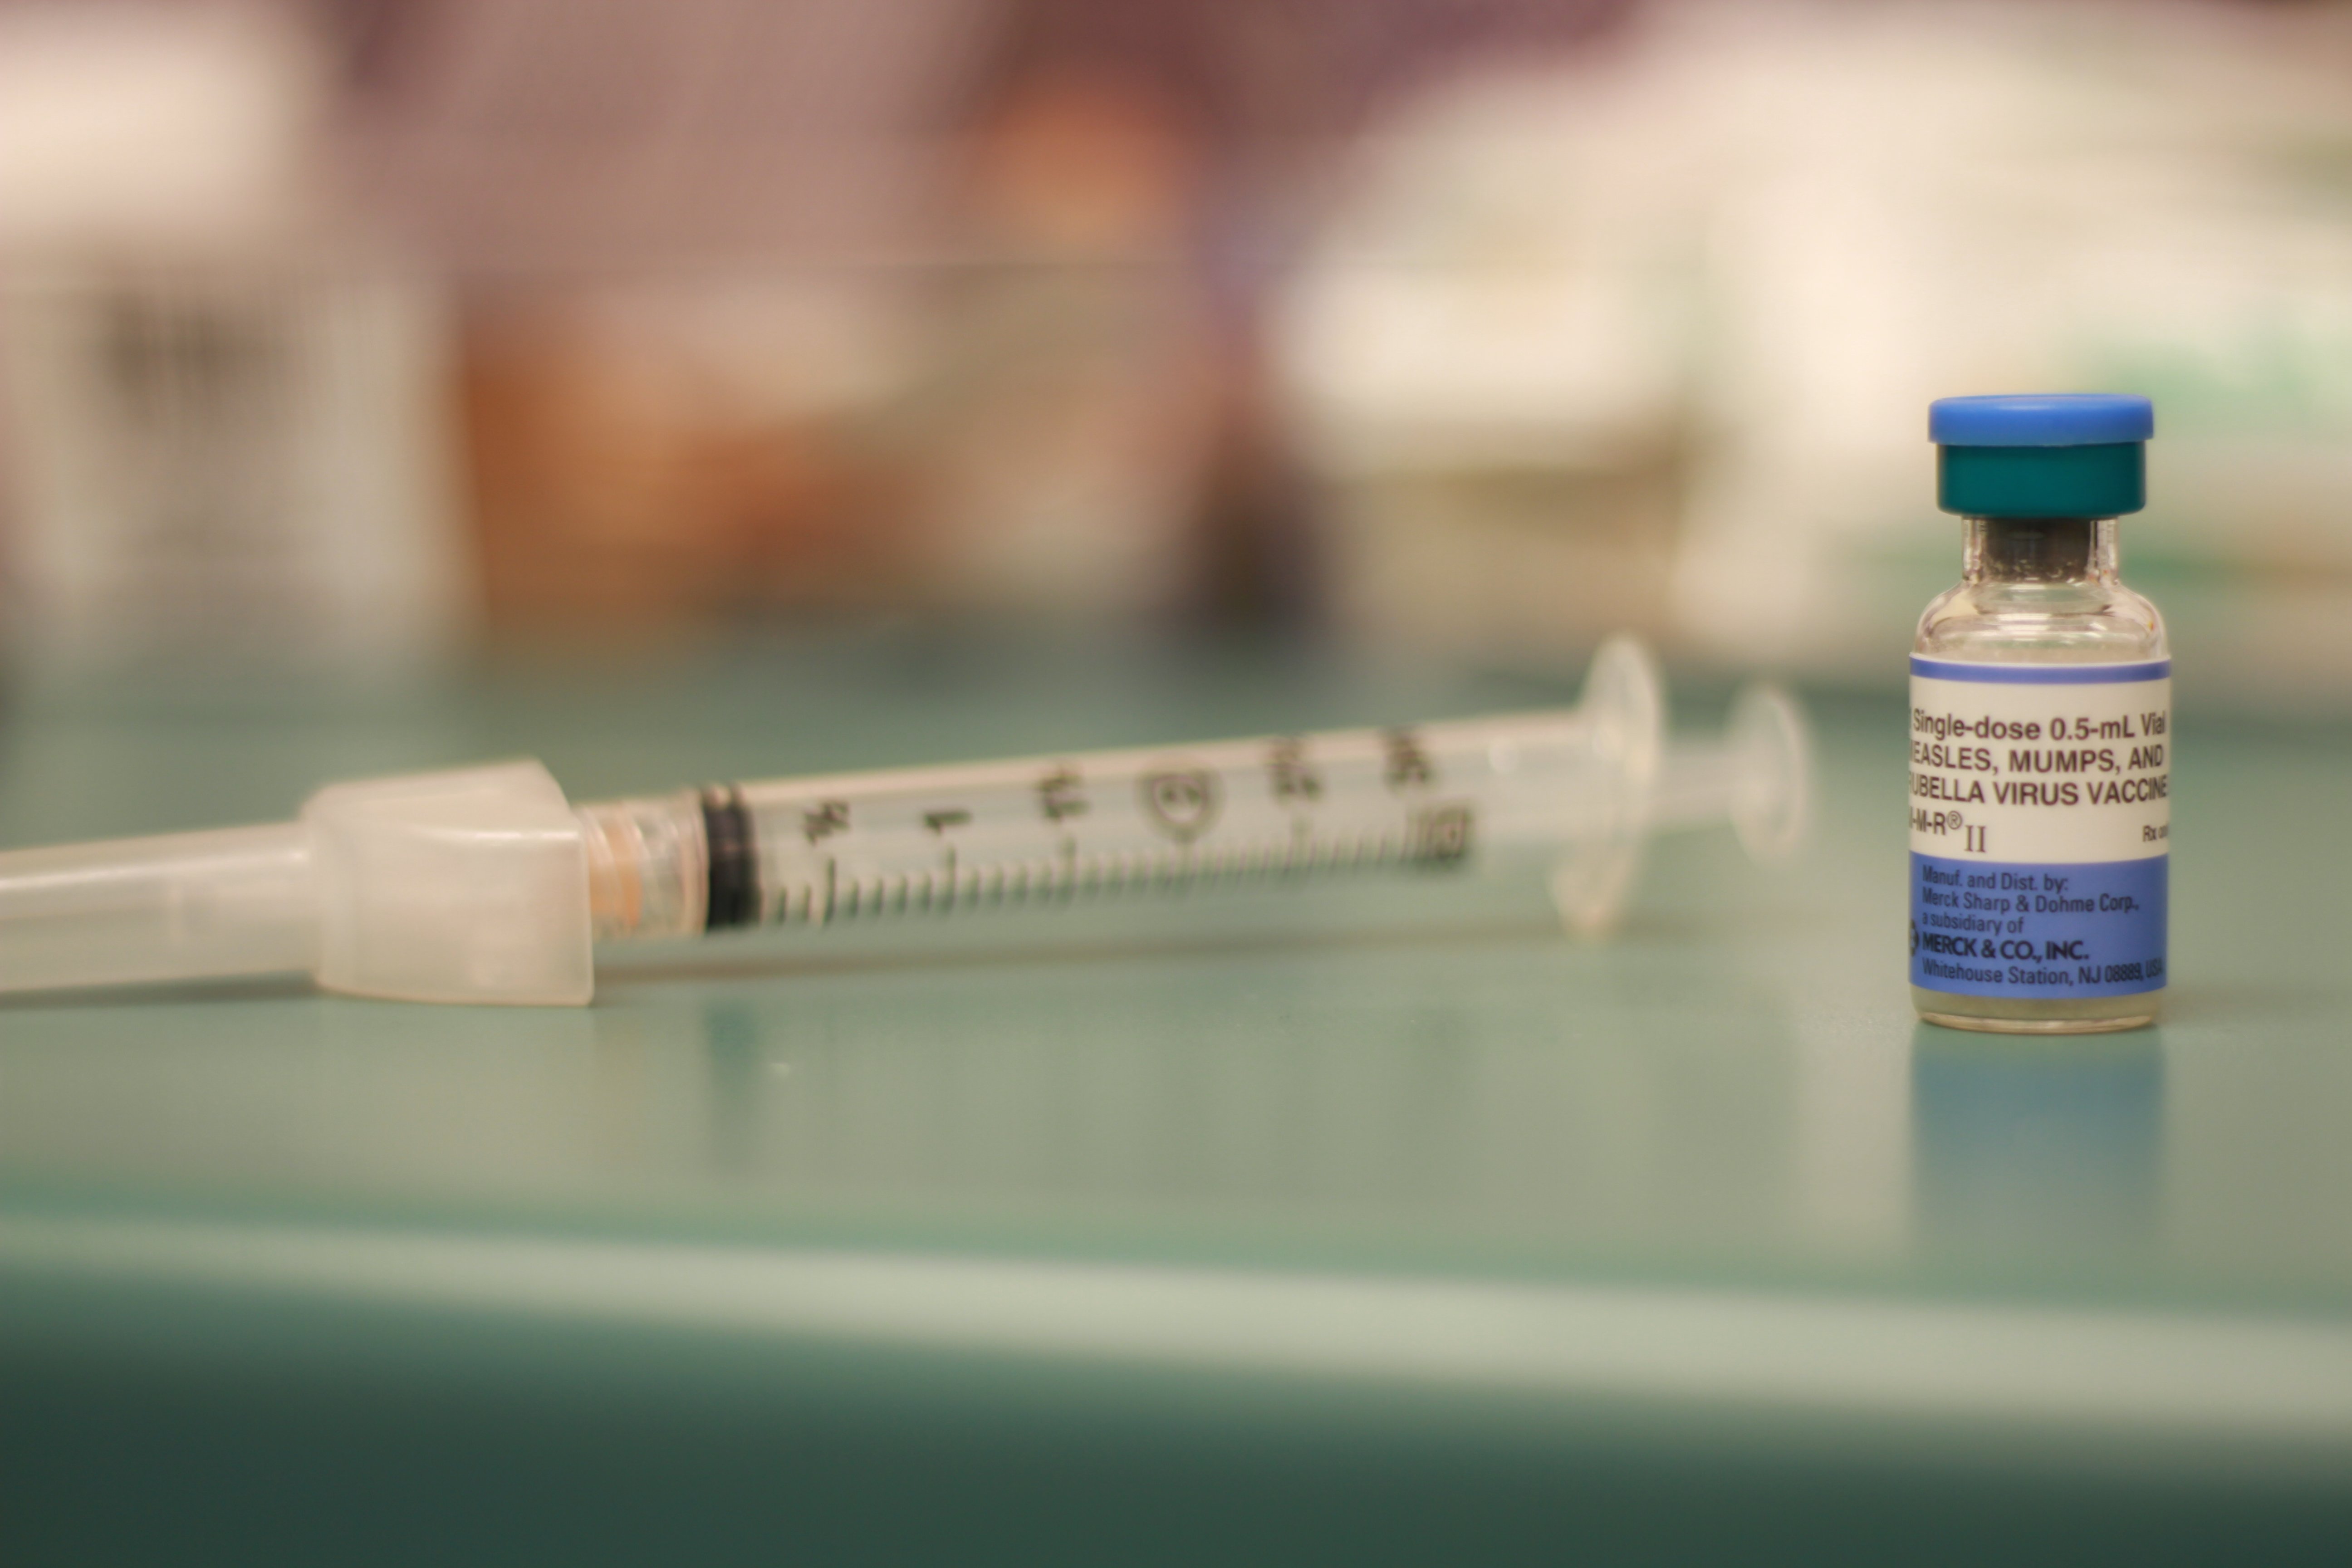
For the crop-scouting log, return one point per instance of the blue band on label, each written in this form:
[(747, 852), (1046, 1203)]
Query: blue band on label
[(2042, 674), (1984, 928)]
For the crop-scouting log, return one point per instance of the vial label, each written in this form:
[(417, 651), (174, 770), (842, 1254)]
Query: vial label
[(2041, 826)]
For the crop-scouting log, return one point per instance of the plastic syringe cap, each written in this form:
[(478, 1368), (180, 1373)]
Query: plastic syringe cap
[(2058, 454), (2041, 419)]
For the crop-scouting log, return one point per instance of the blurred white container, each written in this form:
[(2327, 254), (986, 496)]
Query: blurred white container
[(229, 430), (1758, 238), (1487, 355)]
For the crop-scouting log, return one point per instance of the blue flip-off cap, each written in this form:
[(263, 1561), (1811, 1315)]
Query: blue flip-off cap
[(2048, 455), (2041, 419)]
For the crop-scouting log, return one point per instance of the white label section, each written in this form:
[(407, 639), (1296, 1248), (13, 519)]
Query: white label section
[(2056, 773)]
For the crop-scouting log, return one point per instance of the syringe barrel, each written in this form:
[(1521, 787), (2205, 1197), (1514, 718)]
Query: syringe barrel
[(1432, 798), (822, 851), (1574, 790)]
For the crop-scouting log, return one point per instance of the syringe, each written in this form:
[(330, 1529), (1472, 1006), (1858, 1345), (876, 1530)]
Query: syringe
[(484, 885)]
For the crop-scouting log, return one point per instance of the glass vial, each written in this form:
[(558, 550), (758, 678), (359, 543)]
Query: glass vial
[(2040, 730)]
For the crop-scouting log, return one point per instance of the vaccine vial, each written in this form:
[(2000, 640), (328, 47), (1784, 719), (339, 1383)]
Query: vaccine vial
[(2040, 728)]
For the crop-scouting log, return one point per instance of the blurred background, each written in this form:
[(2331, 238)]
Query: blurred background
[(705, 389), (369, 336)]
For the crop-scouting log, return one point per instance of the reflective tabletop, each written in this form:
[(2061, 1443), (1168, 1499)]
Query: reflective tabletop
[(1402, 1226)]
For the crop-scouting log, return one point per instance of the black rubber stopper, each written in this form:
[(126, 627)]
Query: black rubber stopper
[(734, 897)]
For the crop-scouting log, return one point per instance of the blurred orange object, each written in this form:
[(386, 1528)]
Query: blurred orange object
[(616, 487)]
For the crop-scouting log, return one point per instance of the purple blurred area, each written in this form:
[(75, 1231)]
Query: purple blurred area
[(613, 135), (1028, 248), (373, 329)]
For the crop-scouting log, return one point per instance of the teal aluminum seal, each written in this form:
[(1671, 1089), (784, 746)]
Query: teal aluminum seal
[(2106, 480)]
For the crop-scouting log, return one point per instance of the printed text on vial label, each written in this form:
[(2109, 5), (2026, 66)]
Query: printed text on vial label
[(2041, 773), (2041, 827)]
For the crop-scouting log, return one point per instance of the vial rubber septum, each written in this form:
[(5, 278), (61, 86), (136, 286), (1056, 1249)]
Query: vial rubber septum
[(2040, 722)]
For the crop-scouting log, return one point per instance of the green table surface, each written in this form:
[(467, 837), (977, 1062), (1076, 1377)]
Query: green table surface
[(1400, 1230)]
